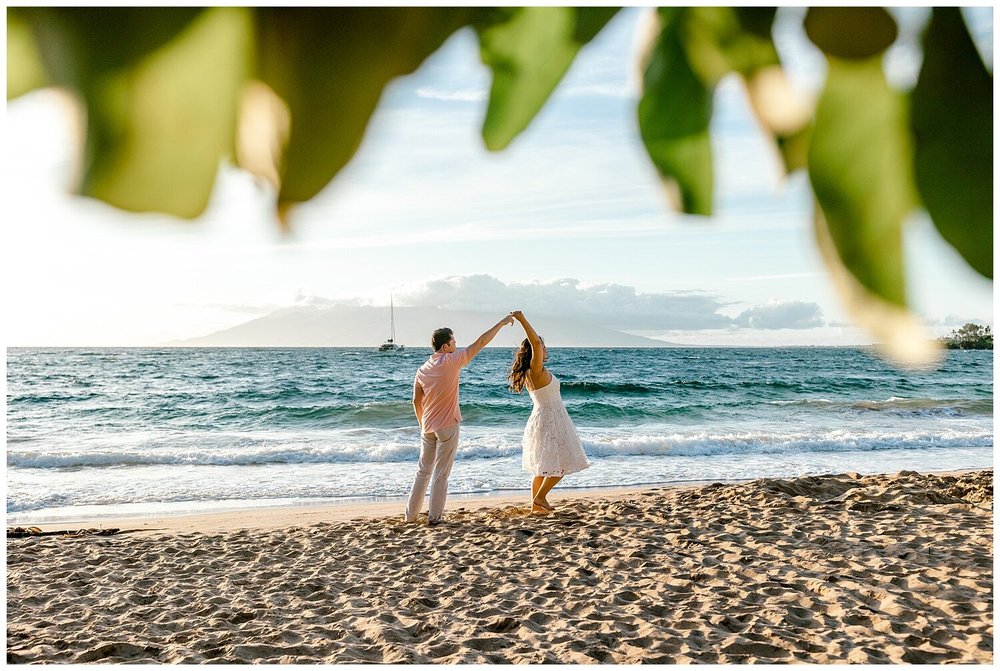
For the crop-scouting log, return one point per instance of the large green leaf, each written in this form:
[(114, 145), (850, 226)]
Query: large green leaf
[(756, 20), (330, 65), (721, 40), (169, 120), (782, 110), (160, 88), (855, 33), (590, 21), (952, 119), (793, 145), (860, 169), (80, 44), (674, 115), (24, 63), (529, 49), (902, 338)]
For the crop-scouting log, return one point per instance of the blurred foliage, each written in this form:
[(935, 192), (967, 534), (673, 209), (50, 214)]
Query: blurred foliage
[(952, 126), (330, 67), (529, 49), (287, 93), (970, 336), (859, 167)]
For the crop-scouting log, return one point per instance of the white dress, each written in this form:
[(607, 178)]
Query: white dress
[(551, 446)]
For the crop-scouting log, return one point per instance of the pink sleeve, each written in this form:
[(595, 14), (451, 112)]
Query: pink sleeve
[(460, 357)]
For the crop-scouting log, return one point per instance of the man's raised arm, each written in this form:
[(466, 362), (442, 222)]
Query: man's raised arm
[(483, 340)]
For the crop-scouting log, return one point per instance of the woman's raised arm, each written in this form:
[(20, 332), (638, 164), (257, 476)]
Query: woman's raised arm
[(537, 362)]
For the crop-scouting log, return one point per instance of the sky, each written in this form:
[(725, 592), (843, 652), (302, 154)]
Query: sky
[(570, 220)]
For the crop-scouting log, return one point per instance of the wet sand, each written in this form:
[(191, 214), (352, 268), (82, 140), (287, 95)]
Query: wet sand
[(887, 568)]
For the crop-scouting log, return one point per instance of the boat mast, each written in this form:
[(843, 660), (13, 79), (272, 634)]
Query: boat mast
[(392, 322)]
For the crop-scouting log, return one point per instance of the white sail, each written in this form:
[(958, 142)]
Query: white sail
[(390, 344)]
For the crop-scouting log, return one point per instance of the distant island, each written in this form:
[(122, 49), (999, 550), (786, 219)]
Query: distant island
[(368, 326), (970, 336)]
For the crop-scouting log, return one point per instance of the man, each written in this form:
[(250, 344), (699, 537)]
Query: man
[(435, 403)]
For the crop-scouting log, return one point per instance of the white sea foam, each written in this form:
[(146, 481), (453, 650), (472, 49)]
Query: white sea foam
[(56, 495), (379, 446)]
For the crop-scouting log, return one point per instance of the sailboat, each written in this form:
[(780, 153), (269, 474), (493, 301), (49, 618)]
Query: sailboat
[(390, 344)]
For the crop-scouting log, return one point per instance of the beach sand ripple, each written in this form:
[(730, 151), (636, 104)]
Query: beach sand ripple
[(877, 569)]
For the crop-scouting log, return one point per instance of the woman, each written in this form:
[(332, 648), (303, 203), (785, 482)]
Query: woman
[(551, 446)]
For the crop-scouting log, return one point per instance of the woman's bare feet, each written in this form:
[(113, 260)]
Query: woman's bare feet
[(541, 506)]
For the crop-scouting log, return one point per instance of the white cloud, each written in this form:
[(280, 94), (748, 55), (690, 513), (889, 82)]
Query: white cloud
[(604, 304), (782, 315), (959, 320)]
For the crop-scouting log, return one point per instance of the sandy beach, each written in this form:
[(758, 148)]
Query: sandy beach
[(888, 568)]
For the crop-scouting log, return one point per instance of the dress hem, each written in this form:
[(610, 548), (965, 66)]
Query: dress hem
[(554, 474)]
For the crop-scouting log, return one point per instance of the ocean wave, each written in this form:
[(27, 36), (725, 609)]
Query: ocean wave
[(713, 444), (592, 388), (373, 446), (52, 397), (927, 407), (256, 456)]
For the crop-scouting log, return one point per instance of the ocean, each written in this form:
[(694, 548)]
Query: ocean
[(110, 432)]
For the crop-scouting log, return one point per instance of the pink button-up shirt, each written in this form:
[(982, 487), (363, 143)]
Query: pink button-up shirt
[(439, 379)]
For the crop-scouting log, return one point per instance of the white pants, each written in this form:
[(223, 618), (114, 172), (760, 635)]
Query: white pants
[(437, 454)]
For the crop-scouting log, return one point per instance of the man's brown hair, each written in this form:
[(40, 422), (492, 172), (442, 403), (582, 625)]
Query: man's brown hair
[(441, 337)]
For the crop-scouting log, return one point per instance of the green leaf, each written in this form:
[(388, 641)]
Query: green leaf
[(756, 20), (952, 120), (854, 33), (860, 169), (330, 65), (590, 21), (794, 147), (902, 338), (529, 49), (168, 121), (24, 62), (718, 42), (721, 40), (674, 115), (160, 88), (80, 42)]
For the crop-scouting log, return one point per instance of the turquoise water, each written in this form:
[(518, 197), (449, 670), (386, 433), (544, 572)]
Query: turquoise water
[(119, 431)]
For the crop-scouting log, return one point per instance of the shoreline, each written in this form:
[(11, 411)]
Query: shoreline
[(376, 508), (296, 515)]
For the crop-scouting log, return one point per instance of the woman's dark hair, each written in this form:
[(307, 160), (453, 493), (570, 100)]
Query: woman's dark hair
[(441, 337), (519, 369)]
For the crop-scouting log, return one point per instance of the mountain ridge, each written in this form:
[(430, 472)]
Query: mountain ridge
[(361, 326)]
